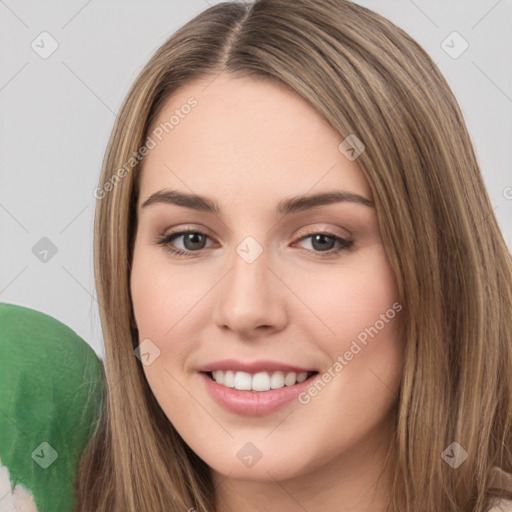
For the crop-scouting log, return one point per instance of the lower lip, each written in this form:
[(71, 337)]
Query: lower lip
[(253, 403)]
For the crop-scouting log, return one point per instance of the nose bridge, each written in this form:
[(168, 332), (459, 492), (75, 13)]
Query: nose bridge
[(248, 297), (248, 279)]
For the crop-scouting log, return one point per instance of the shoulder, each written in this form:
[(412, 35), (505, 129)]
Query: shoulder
[(502, 506), (502, 480)]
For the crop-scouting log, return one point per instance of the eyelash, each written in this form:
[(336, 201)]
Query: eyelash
[(165, 241)]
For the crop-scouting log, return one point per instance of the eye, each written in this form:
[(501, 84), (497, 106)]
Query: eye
[(325, 242), (194, 242)]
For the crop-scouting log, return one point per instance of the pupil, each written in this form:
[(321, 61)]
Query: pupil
[(322, 246), (192, 237)]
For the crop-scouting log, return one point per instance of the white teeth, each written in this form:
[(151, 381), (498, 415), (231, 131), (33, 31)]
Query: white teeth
[(218, 377), (290, 379), (262, 381), (229, 378), (277, 380), (243, 381), (301, 377)]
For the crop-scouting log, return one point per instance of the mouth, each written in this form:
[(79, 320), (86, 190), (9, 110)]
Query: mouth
[(258, 382)]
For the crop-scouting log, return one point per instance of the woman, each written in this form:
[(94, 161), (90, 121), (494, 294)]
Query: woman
[(294, 239)]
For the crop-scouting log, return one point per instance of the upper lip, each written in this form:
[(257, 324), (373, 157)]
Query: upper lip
[(252, 367)]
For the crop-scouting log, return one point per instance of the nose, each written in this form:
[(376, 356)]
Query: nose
[(251, 298)]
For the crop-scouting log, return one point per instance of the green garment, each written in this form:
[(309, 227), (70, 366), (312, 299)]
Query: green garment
[(51, 397)]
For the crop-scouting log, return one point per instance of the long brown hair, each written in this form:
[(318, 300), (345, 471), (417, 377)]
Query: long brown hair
[(368, 78)]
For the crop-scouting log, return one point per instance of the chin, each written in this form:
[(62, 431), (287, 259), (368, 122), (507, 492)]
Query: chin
[(251, 464)]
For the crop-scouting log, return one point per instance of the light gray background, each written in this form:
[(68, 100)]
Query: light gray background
[(57, 114)]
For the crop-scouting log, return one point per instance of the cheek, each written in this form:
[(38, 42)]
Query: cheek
[(161, 293), (167, 308), (364, 353), (351, 299), (370, 297)]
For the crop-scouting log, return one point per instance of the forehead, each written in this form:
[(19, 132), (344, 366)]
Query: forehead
[(245, 140)]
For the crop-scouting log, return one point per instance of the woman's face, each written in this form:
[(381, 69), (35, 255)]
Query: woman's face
[(268, 288)]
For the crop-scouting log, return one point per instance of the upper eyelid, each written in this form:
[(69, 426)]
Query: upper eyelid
[(301, 234), (302, 231)]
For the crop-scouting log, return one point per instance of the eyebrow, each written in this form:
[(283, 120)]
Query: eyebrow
[(284, 207)]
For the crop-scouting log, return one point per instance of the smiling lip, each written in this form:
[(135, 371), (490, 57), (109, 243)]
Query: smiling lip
[(252, 403), (253, 367)]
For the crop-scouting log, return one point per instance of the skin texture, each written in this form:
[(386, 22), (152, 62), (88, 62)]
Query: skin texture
[(247, 145)]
